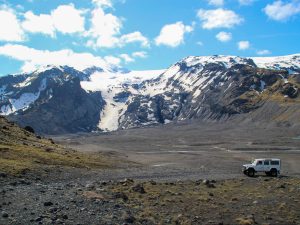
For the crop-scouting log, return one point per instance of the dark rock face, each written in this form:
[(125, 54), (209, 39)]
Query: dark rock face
[(29, 129), (213, 92), (69, 109), (55, 101), (290, 90)]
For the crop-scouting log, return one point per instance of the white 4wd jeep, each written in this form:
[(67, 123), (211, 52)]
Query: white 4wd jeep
[(269, 166)]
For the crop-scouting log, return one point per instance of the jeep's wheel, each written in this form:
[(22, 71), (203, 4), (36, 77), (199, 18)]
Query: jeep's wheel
[(273, 172), (251, 172)]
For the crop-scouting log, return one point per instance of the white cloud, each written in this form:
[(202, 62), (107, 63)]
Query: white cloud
[(216, 2), (224, 36), (103, 3), (33, 58), (134, 37), (246, 2), (10, 27), (282, 11), (104, 28), (200, 43), (172, 35), (105, 32), (243, 45), (127, 58), (67, 19), (218, 18), (140, 54), (112, 60), (38, 24), (264, 52)]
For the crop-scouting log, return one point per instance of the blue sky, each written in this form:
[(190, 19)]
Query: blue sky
[(142, 34)]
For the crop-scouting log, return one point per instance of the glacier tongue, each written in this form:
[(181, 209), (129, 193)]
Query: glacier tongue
[(111, 84)]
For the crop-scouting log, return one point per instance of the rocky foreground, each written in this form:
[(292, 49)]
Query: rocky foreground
[(42, 182), (260, 200)]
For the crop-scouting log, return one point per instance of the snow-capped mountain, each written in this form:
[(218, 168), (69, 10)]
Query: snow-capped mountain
[(58, 99)]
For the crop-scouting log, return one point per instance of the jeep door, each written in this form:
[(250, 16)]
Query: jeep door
[(267, 165), (259, 166)]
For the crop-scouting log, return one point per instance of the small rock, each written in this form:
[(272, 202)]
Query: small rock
[(25, 182), (3, 175), (139, 188), (198, 182), (48, 203), (38, 219), (65, 217), (117, 206), (121, 195), (129, 218), (152, 182), (53, 209), (49, 149), (4, 215), (210, 185), (90, 187), (206, 182), (126, 182)]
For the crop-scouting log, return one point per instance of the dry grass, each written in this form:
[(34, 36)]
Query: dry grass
[(21, 151), (243, 202)]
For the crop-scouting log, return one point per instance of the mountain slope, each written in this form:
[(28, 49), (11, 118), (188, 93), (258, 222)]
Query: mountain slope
[(64, 100), (213, 88), (53, 101), (22, 152)]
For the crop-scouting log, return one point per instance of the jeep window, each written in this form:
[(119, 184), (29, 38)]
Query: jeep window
[(266, 163), (274, 163), (259, 163)]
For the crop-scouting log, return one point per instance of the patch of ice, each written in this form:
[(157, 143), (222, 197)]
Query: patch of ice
[(2, 89), (25, 83), (262, 85), (110, 84), (229, 87), (289, 62), (23, 102), (227, 61)]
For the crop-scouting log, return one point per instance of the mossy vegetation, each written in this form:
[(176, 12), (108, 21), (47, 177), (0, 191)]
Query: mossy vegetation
[(22, 151), (241, 201)]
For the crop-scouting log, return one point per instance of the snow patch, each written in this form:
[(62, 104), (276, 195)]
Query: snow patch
[(262, 85), (289, 62), (111, 84), (23, 102)]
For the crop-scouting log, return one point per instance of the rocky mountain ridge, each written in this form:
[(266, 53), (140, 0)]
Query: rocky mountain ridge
[(64, 100)]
